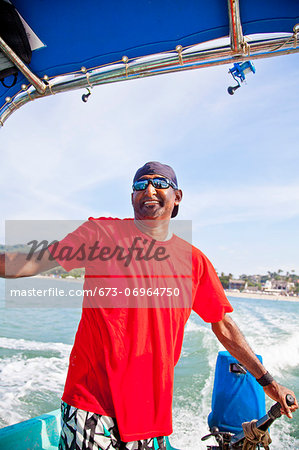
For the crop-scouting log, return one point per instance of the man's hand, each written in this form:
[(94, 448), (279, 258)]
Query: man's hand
[(16, 265), (279, 393)]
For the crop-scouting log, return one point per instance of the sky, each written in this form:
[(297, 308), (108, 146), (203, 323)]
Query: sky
[(236, 158)]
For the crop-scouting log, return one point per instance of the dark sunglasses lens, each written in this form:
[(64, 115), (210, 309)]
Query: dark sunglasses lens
[(160, 183), (140, 185)]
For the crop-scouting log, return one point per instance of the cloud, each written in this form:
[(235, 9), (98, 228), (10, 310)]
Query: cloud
[(55, 149), (241, 204)]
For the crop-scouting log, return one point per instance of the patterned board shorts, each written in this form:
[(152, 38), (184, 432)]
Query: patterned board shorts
[(82, 430)]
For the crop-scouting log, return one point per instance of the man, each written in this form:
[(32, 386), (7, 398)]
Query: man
[(146, 281)]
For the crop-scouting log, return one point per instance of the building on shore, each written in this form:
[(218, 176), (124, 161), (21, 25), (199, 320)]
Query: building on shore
[(238, 285), (278, 287)]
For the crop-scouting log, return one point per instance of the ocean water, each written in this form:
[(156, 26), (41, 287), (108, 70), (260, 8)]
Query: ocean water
[(35, 346)]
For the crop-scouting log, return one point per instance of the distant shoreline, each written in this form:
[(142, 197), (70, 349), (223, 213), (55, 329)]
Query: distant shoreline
[(259, 296), (253, 295), (67, 278)]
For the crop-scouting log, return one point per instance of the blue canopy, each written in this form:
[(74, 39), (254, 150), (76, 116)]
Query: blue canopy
[(93, 33)]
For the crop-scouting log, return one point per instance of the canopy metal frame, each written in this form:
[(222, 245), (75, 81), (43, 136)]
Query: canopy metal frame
[(235, 28), (31, 77), (194, 57)]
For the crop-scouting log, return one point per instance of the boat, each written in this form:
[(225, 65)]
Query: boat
[(109, 42), (38, 433), (242, 400)]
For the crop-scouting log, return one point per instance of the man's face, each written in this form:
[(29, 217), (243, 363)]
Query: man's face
[(153, 204)]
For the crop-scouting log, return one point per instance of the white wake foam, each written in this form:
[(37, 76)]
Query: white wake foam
[(22, 344), (26, 378)]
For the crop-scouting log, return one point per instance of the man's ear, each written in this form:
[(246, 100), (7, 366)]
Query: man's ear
[(178, 196)]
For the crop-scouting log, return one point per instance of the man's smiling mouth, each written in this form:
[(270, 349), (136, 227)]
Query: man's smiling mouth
[(151, 202)]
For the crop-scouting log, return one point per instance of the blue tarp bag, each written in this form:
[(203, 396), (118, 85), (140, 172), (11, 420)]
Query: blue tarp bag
[(237, 397)]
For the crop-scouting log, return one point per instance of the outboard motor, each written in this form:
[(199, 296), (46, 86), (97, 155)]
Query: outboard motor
[(237, 397)]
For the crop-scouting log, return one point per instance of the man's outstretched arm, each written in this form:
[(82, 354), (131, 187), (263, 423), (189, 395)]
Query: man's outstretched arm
[(17, 265), (230, 336)]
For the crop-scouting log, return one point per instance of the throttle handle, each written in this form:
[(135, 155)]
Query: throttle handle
[(275, 413)]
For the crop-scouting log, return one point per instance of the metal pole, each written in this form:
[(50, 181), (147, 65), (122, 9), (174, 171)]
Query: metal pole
[(31, 77), (235, 26)]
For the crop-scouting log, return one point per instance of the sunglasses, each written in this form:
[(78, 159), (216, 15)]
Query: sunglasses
[(158, 183)]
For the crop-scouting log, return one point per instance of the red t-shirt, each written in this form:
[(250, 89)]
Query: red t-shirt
[(139, 295)]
